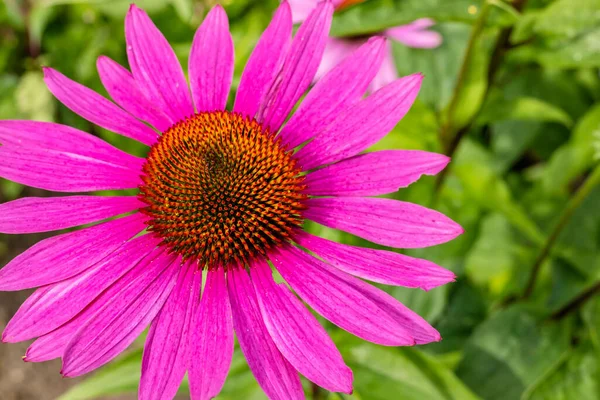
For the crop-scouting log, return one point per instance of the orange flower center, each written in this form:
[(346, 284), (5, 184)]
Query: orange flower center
[(221, 189)]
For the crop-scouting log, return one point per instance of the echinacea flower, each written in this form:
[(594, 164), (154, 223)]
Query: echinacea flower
[(414, 35), (224, 194)]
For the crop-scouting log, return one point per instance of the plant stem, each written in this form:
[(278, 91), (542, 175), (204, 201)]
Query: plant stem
[(584, 190), (451, 141), (576, 302), (446, 131)]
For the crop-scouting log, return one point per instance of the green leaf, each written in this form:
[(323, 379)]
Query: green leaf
[(521, 108), (577, 378), (510, 352), (576, 156), (377, 15), (567, 18), (591, 317), (403, 373), (430, 305)]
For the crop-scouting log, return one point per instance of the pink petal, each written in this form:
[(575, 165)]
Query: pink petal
[(415, 35), (350, 303), (375, 173), (64, 172), (275, 375), (302, 8), (264, 63), (63, 256), (298, 334), (211, 62), (53, 344), (166, 353), (124, 90), (377, 265), (51, 306), (36, 214), (384, 221), (212, 341), (388, 72), (122, 319), (336, 50), (360, 126), (341, 87), (155, 66), (298, 69), (95, 108), (50, 136)]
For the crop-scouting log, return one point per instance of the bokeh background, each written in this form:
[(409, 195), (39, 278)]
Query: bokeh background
[(513, 94)]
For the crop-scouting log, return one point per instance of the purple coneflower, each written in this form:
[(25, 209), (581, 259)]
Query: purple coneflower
[(413, 35), (222, 193)]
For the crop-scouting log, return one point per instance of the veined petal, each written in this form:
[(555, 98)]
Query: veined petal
[(43, 214), (155, 66), (64, 172), (53, 344), (96, 109), (298, 334), (51, 306), (339, 88), (50, 136), (374, 173), (264, 63), (377, 265), (388, 72), (298, 69), (275, 375), (122, 87), (384, 221), (63, 256), (212, 340), (121, 320), (211, 62), (166, 352), (360, 126), (350, 303)]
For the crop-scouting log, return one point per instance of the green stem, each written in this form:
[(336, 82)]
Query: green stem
[(584, 190), (577, 302), (447, 131)]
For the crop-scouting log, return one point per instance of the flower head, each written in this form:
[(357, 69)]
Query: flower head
[(225, 193)]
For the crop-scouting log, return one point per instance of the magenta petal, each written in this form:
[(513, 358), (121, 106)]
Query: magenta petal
[(350, 303), (388, 72), (211, 62), (302, 8), (212, 339), (375, 173), (155, 66), (53, 344), (275, 375), (43, 214), (387, 222), (63, 256), (40, 136), (166, 353), (415, 34), (360, 126), (51, 306), (377, 265), (95, 108), (124, 90), (298, 69), (122, 319), (64, 172), (298, 334), (341, 87), (264, 63)]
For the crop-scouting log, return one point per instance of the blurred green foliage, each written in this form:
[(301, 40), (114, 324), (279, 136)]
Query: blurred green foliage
[(513, 94)]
